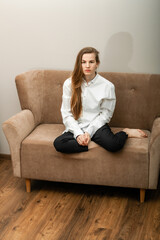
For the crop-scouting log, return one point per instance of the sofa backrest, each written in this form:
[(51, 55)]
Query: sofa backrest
[(138, 96)]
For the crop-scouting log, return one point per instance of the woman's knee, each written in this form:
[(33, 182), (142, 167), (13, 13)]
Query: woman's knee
[(114, 144), (57, 144)]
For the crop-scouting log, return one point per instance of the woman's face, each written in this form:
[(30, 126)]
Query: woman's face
[(89, 65)]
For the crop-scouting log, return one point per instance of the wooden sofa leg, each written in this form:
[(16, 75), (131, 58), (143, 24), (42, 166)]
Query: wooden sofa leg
[(142, 195), (28, 185)]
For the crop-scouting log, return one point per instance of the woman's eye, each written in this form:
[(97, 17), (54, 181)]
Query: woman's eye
[(89, 62)]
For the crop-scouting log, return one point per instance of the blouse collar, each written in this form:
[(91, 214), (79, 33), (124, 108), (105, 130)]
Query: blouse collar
[(92, 81)]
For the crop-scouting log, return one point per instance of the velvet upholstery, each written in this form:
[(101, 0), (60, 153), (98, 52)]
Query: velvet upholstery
[(86, 167), (16, 129), (31, 133)]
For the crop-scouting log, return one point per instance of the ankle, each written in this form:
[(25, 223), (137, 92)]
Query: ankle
[(126, 130)]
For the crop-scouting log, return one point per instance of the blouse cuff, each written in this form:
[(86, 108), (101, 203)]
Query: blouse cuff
[(77, 133)]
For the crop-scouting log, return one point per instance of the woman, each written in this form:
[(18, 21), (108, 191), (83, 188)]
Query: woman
[(87, 107)]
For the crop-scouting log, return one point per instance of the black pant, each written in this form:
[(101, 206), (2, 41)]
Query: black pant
[(66, 143)]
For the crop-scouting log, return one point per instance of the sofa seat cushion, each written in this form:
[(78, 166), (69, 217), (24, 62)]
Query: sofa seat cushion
[(126, 168)]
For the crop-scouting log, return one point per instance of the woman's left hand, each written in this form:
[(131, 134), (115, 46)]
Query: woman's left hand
[(87, 138)]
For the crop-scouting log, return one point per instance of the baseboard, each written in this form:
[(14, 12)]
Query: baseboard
[(6, 156)]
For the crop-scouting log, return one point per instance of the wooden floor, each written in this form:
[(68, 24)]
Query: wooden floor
[(59, 211)]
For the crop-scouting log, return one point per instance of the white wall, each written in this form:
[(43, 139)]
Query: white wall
[(47, 34)]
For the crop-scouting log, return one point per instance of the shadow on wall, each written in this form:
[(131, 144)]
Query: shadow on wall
[(118, 53)]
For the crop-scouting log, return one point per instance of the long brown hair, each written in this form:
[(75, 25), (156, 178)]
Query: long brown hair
[(77, 77)]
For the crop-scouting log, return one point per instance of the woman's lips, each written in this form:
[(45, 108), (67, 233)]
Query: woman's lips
[(87, 70)]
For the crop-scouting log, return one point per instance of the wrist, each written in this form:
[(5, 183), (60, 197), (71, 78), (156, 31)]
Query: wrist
[(87, 134)]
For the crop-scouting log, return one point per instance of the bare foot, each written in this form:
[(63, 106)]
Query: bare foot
[(135, 133)]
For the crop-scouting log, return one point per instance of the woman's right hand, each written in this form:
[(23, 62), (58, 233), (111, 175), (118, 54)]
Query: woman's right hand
[(83, 139)]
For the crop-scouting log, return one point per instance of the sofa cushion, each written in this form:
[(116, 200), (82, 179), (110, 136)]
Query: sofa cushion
[(126, 168)]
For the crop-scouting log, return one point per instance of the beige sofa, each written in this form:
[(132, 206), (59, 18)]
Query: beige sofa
[(31, 133)]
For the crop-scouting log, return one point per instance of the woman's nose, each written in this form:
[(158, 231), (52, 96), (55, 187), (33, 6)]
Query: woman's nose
[(88, 64)]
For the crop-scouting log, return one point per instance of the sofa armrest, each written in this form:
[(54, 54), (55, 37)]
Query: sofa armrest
[(154, 154), (16, 129)]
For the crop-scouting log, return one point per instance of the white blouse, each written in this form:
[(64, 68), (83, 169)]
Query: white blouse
[(98, 104)]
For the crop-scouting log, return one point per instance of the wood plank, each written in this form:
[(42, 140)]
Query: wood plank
[(150, 228), (13, 201), (82, 218), (29, 223), (58, 217), (106, 219)]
